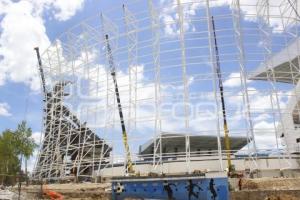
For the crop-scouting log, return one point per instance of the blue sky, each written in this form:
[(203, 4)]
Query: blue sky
[(20, 100), (20, 97), (26, 24)]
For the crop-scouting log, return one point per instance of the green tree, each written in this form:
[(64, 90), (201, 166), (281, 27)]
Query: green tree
[(14, 146), (25, 144), (9, 164)]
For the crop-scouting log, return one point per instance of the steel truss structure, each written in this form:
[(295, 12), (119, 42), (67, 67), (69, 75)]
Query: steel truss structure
[(166, 71)]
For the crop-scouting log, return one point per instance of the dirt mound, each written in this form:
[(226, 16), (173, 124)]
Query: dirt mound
[(249, 185), (271, 184), (282, 197)]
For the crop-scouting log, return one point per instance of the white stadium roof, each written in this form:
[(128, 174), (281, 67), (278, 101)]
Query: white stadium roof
[(284, 64)]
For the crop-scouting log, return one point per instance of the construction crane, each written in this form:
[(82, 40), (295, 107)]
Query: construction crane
[(218, 71), (41, 71), (129, 165)]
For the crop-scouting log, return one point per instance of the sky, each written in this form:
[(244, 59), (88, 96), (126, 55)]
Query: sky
[(25, 24)]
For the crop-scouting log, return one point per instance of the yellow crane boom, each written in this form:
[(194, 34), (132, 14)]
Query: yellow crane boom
[(129, 165), (218, 71)]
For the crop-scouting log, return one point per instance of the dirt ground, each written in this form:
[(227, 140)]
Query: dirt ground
[(252, 189), (271, 184), (282, 197), (268, 189), (82, 191)]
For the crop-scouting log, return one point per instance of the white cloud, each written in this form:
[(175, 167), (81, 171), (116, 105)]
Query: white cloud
[(31, 161), (36, 136), (3, 4), (4, 110), (62, 10), (264, 125), (248, 8), (265, 135), (262, 117), (281, 13), (234, 80), (261, 110), (170, 18), (65, 9), (94, 109), (22, 28)]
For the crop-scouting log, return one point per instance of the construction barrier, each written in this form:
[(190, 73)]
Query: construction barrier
[(171, 188)]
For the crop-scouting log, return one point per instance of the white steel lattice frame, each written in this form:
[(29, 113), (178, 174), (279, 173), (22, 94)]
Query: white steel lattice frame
[(131, 33), (154, 70), (236, 14), (213, 69), (157, 137), (263, 14)]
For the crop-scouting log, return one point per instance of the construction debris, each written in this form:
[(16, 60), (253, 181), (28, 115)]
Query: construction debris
[(83, 191), (8, 194)]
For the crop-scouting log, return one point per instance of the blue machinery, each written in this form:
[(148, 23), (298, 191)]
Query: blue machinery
[(171, 188)]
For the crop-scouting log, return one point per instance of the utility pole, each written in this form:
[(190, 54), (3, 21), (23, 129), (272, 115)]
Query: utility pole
[(19, 177)]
